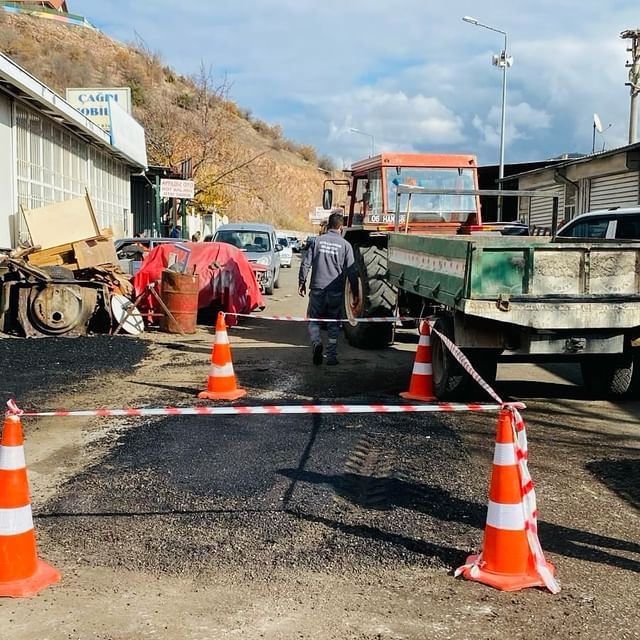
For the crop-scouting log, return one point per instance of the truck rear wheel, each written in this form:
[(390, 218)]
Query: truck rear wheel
[(450, 380), (607, 376), (377, 300)]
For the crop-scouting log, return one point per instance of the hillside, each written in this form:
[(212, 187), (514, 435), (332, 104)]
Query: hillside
[(243, 167)]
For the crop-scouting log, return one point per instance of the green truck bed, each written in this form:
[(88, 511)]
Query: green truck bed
[(526, 281)]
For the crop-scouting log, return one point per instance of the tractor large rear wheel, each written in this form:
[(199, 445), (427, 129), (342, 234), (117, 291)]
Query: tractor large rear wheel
[(377, 299)]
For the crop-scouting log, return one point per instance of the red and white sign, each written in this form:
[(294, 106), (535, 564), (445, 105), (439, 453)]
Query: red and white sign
[(170, 188), (318, 215)]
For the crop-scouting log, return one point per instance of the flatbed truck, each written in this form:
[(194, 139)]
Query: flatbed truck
[(423, 252)]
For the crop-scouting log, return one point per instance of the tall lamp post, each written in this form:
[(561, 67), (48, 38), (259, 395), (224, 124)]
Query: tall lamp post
[(502, 61), (364, 133)]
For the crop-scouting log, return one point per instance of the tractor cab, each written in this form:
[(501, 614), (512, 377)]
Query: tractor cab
[(375, 205), (381, 200)]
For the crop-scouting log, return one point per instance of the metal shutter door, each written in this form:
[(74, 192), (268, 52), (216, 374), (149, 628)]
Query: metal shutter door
[(617, 190), (541, 209)]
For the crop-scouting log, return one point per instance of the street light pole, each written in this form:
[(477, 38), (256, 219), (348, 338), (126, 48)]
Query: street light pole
[(364, 133), (504, 111), (504, 61)]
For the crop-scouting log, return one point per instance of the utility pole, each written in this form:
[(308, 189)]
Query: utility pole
[(634, 80)]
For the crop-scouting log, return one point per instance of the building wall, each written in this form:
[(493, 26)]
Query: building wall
[(617, 190), (601, 183), (7, 195), (53, 165)]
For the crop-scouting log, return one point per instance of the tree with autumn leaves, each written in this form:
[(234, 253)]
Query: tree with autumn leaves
[(200, 126)]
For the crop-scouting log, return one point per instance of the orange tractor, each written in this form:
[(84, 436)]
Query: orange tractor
[(375, 208)]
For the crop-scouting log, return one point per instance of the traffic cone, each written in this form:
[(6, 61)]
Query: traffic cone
[(507, 561), (221, 383), (421, 386), (22, 573)]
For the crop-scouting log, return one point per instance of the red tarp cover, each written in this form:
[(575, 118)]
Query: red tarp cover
[(233, 285)]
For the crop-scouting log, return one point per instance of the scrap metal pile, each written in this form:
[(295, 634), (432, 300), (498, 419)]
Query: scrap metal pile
[(61, 290), (68, 279)]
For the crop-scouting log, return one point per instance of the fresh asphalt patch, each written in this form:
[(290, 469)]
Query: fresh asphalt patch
[(188, 495), (35, 369)]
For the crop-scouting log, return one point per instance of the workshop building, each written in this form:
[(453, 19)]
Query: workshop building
[(587, 183), (50, 152)]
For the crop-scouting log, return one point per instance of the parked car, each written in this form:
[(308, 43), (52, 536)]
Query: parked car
[(286, 255), (258, 242), (295, 244), (607, 224), (308, 242), (131, 251), (506, 228)]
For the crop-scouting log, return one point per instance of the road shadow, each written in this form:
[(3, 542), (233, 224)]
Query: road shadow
[(512, 388), (620, 476), (406, 336), (441, 505), (526, 389), (290, 371), (187, 348), (270, 331), (191, 391), (448, 555)]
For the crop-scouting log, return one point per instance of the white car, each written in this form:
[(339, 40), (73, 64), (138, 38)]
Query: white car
[(286, 255), (616, 223)]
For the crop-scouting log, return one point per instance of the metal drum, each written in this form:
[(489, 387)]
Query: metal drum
[(179, 291)]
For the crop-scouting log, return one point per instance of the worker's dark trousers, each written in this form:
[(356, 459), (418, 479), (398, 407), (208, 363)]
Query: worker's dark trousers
[(325, 304)]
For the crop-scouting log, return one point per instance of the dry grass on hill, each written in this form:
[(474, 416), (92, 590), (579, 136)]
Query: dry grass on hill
[(245, 167)]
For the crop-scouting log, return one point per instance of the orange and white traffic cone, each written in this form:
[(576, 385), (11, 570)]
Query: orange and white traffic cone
[(221, 383), (421, 385), (511, 557), (22, 573)]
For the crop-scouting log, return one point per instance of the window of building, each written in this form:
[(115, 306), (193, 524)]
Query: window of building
[(53, 166)]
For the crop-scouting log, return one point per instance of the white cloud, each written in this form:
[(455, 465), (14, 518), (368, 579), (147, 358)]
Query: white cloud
[(396, 120), (416, 75), (521, 122)]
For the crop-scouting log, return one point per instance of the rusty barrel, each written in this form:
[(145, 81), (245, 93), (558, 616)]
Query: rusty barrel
[(179, 291)]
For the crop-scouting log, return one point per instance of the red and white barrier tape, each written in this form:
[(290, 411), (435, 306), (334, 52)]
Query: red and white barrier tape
[(303, 409), (306, 319), (529, 508), (466, 365), (529, 502)]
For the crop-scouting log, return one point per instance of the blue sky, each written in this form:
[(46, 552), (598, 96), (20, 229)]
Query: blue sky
[(413, 74)]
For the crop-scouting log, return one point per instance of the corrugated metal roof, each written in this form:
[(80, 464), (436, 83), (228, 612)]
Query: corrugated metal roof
[(574, 161)]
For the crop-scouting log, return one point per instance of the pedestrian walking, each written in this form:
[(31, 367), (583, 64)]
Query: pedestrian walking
[(330, 259)]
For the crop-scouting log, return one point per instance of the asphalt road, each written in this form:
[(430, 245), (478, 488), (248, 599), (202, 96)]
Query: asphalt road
[(308, 526)]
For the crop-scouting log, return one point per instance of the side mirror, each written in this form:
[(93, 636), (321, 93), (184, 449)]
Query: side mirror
[(327, 199), (279, 247)]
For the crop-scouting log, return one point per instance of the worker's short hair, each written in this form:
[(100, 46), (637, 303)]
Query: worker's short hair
[(336, 220)]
